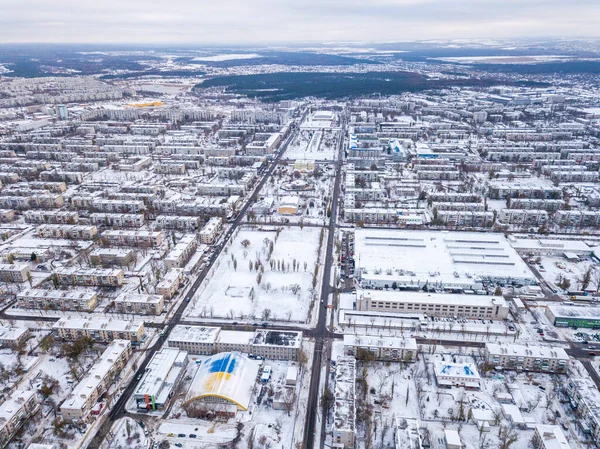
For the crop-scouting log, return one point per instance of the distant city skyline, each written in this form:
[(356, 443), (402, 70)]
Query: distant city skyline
[(276, 21)]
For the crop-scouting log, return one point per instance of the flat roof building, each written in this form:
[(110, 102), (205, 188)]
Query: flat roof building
[(432, 304), (574, 316), (448, 375), (98, 379), (139, 303), (57, 299), (549, 437), (14, 412), (382, 347), (163, 373), (99, 329), (441, 260), (344, 405), (527, 358)]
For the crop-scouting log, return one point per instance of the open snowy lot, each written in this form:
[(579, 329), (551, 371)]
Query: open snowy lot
[(313, 146), (268, 275)]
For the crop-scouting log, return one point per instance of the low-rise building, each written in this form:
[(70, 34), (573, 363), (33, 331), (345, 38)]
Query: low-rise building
[(527, 358), (60, 231), (17, 273), (11, 336), (344, 405), (549, 437), (98, 380), (288, 205), (14, 412), (574, 316), (189, 224), (117, 220), (433, 304), (140, 304), (449, 374), (99, 277), (211, 230), (266, 343), (170, 283), (181, 253), (133, 238), (382, 348), (99, 329), (162, 375), (108, 257), (585, 400), (57, 299)]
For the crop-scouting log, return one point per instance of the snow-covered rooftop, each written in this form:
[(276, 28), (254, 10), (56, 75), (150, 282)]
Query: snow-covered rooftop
[(344, 406), (228, 375), (194, 333), (437, 257), (544, 352)]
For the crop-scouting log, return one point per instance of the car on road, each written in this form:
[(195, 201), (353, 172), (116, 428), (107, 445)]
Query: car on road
[(170, 434), (139, 376), (192, 435), (178, 444), (181, 435)]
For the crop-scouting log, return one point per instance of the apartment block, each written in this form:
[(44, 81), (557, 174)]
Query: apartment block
[(170, 283), (181, 253), (211, 230), (14, 412), (139, 304), (585, 400), (60, 231), (98, 380), (96, 276), (108, 257), (527, 358), (100, 329), (133, 238), (10, 336), (57, 300), (49, 216), (178, 223), (17, 273), (344, 405), (117, 220), (119, 206), (391, 349)]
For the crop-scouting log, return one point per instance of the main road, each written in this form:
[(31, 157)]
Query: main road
[(321, 333), (118, 409)]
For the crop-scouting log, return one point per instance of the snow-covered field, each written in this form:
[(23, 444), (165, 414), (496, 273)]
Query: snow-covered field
[(247, 280), (313, 146)]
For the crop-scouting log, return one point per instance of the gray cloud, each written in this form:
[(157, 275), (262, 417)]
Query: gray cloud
[(265, 21)]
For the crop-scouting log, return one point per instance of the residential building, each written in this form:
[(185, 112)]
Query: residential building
[(17, 273), (139, 304), (527, 358), (181, 253), (14, 412), (211, 230), (10, 336), (57, 299), (381, 347), (585, 400), (133, 238), (99, 329), (99, 277), (60, 231), (549, 437), (170, 283), (98, 380), (108, 257), (344, 405)]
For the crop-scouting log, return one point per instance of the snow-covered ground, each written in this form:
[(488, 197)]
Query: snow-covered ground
[(313, 146), (246, 280)]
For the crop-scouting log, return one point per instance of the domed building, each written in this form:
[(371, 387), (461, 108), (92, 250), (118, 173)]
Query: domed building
[(223, 384)]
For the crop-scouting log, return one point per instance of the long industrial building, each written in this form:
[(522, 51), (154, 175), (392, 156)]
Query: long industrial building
[(163, 373), (456, 261)]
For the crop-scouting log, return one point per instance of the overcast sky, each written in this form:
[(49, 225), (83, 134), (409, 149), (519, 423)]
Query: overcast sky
[(272, 21)]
